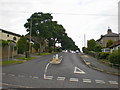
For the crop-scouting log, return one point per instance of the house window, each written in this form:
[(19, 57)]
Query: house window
[(14, 38), (8, 35)]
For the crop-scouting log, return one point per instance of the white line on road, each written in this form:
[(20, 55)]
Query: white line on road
[(113, 82), (60, 78), (78, 70), (74, 79), (46, 70), (48, 77), (100, 81), (87, 80)]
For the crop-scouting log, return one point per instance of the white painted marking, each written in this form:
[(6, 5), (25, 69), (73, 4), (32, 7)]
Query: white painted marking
[(78, 70), (11, 74), (74, 79), (113, 82), (35, 77), (87, 80), (48, 77), (46, 70), (21, 76), (60, 78), (100, 81)]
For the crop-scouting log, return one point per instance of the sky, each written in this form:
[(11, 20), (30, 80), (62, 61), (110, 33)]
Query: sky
[(89, 18)]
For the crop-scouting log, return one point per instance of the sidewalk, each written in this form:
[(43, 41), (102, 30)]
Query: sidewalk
[(95, 64)]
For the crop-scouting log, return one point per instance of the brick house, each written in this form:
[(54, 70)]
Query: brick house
[(109, 36)]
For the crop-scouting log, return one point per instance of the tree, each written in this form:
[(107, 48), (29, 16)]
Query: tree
[(109, 43), (23, 45), (91, 44), (97, 48)]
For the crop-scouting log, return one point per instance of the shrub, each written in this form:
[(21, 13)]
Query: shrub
[(115, 57), (103, 55)]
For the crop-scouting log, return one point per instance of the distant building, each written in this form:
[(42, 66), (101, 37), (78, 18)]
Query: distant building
[(7, 35), (109, 36)]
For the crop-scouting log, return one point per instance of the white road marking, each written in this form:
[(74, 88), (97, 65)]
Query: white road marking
[(60, 78), (100, 81), (21, 76), (78, 70), (46, 70), (87, 80), (48, 77), (113, 82), (11, 74), (74, 79), (35, 77)]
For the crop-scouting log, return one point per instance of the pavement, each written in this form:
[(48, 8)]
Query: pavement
[(97, 65)]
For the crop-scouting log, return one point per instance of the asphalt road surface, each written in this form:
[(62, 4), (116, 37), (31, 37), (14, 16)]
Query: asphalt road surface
[(71, 73)]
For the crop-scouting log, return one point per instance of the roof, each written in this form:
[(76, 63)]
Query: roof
[(115, 44), (111, 35), (8, 32)]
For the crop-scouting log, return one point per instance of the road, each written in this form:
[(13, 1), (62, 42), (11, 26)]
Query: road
[(71, 73)]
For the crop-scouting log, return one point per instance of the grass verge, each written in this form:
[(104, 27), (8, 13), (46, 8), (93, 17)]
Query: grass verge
[(10, 62)]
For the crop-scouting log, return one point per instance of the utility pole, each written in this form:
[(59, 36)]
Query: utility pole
[(84, 40), (30, 35)]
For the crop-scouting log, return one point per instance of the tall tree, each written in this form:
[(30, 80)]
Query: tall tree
[(91, 44)]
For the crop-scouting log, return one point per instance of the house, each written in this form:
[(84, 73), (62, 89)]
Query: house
[(109, 36), (8, 50), (7, 35), (115, 46)]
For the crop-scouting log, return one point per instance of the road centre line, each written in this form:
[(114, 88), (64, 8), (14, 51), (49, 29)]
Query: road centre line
[(21, 76), (11, 74)]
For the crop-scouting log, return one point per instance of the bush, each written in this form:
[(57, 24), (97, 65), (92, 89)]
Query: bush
[(103, 55), (115, 57)]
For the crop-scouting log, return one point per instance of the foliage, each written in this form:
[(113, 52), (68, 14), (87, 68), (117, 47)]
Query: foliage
[(23, 45), (97, 48), (4, 42), (10, 62), (44, 28), (91, 44), (109, 43), (115, 57), (103, 55)]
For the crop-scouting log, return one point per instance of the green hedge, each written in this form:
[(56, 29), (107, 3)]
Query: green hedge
[(115, 57), (103, 55)]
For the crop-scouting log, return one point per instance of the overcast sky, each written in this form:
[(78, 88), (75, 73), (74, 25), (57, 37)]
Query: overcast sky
[(79, 17)]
